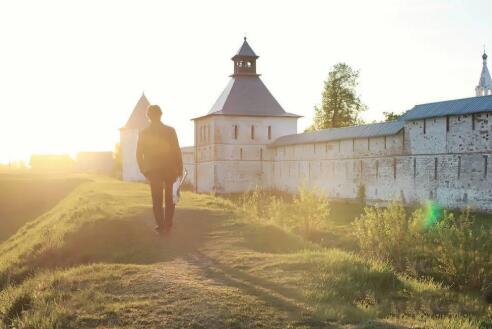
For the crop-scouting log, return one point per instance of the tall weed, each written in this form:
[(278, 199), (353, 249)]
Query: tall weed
[(384, 233), (307, 213), (253, 204), (447, 247), (463, 252), (311, 209)]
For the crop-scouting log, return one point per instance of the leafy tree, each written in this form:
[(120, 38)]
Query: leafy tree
[(340, 105), (391, 116)]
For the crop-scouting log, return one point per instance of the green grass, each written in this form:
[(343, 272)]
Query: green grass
[(101, 220), (168, 295), (92, 261), (25, 197)]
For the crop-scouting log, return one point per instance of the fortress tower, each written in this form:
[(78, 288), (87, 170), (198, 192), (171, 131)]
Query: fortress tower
[(230, 140)]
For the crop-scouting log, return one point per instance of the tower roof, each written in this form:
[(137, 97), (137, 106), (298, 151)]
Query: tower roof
[(247, 96), (450, 107), (485, 80), (334, 134), (245, 50), (138, 118)]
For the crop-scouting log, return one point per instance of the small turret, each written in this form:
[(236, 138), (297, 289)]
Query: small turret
[(484, 87), (245, 60)]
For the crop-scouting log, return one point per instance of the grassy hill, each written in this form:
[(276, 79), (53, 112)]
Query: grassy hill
[(24, 197), (93, 261)]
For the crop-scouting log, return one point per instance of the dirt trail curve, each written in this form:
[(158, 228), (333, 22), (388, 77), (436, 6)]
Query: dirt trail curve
[(205, 241)]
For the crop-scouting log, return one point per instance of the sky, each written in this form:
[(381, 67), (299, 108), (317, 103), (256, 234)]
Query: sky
[(72, 71)]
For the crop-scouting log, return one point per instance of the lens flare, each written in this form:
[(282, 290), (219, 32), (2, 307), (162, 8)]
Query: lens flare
[(433, 213)]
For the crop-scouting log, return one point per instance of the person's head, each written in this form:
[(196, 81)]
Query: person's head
[(154, 113)]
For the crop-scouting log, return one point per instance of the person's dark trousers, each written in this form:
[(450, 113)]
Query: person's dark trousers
[(160, 186)]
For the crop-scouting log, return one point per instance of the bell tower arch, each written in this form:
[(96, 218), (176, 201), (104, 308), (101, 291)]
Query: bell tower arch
[(245, 61)]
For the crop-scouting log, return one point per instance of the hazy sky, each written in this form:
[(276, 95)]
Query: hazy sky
[(72, 71)]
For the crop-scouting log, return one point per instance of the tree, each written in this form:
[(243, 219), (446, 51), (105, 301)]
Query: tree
[(340, 105), (391, 116)]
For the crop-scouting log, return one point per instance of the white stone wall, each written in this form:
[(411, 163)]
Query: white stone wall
[(463, 138), (340, 178), (128, 143), (459, 135), (188, 154), (413, 166), (227, 163), (431, 140), (445, 164), (337, 167), (203, 175)]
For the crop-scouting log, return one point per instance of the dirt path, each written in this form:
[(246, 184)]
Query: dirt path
[(208, 243)]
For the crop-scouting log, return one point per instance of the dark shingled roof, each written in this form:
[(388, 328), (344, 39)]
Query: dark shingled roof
[(247, 96), (451, 107), (333, 134), (138, 118), (246, 50)]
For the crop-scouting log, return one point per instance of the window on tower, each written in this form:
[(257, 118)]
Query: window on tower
[(235, 131), (252, 132)]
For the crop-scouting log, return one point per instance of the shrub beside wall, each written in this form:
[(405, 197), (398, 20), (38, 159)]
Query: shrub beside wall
[(447, 247), (306, 214)]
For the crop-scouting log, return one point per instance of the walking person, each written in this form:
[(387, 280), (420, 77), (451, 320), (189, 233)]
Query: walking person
[(159, 160)]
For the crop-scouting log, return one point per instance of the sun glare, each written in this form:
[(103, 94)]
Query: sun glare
[(434, 213)]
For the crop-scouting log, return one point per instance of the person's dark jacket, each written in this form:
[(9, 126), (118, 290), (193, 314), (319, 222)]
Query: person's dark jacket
[(158, 151)]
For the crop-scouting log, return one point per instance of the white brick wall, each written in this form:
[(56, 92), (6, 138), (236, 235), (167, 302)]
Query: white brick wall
[(227, 164), (340, 167), (128, 143)]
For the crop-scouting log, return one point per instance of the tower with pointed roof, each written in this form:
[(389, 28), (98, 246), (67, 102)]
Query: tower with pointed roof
[(231, 139), (484, 87), (128, 140)]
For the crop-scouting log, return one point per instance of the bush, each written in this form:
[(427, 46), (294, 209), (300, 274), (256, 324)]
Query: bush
[(253, 205), (384, 233), (429, 242), (311, 210), (463, 252), (307, 213)]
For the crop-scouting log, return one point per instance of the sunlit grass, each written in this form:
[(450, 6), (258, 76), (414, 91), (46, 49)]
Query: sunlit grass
[(217, 270)]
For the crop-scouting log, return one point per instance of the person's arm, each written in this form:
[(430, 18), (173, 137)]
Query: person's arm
[(177, 154), (140, 153)]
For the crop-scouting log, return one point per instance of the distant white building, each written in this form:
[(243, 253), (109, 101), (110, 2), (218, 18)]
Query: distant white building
[(438, 151), (128, 140)]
